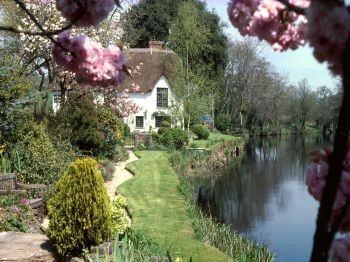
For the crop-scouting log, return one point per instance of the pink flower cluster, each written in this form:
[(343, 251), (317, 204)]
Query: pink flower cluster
[(316, 180), (328, 32), (340, 250), (91, 63), (85, 12), (126, 106), (262, 18)]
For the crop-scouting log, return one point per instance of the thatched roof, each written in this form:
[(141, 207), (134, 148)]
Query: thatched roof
[(148, 65)]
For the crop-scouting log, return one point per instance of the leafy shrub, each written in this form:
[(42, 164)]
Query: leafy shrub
[(107, 169), (141, 146), (163, 127), (79, 210), (15, 215), (119, 221), (172, 138), (126, 130), (121, 154), (201, 131), (165, 124), (161, 130), (223, 122), (35, 158), (94, 129)]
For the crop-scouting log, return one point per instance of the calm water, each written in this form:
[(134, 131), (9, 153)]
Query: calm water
[(265, 197)]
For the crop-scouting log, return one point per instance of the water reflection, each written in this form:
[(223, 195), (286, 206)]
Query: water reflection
[(265, 196)]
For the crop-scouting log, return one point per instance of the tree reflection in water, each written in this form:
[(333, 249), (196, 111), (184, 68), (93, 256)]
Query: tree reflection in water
[(251, 192)]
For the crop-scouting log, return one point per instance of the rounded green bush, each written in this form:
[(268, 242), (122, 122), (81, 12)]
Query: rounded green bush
[(223, 122), (79, 210), (173, 137), (201, 131)]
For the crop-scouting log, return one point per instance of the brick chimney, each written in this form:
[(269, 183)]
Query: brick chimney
[(156, 44)]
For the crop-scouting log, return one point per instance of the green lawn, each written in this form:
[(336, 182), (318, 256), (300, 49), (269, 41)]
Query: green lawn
[(214, 140), (159, 210)]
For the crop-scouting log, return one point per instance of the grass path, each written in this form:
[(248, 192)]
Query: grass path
[(159, 210)]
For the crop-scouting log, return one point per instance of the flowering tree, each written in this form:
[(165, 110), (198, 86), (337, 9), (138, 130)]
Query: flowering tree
[(325, 24), (79, 60)]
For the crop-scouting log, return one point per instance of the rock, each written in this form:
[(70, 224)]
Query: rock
[(17, 246)]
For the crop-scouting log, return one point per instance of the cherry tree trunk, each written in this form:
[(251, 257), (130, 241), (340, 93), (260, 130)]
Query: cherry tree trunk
[(324, 235)]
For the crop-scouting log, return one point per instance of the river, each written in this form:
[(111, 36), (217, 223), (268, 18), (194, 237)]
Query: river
[(265, 197)]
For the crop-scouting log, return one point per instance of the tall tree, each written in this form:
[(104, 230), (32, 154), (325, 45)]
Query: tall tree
[(148, 20)]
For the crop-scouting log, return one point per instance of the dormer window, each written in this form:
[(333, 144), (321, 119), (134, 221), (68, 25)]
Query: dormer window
[(162, 97)]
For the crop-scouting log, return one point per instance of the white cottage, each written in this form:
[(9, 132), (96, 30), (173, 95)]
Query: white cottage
[(153, 72)]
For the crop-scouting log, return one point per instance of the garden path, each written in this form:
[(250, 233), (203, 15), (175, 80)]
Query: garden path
[(120, 175)]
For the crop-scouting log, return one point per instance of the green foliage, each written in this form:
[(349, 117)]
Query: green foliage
[(94, 129), (198, 33), (172, 138), (35, 158), (15, 215), (121, 154), (201, 131), (165, 124), (163, 127), (79, 210), (223, 122), (134, 246), (148, 20), (119, 221), (107, 169)]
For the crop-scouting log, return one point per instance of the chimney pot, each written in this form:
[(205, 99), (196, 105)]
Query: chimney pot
[(156, 44)]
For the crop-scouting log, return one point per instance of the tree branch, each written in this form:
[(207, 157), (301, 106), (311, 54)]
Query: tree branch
[(290, 7)]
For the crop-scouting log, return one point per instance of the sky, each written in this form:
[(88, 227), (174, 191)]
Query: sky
[(298, 64)]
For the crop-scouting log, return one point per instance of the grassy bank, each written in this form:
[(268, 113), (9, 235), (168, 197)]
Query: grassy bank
[(214, 140), (159, 210), (221, 236)]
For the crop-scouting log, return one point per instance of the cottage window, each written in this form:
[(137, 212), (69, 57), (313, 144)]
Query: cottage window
[(162, 97), (57, 99), (139, 122), (159, 120)]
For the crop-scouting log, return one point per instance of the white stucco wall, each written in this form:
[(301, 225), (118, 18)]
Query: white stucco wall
[(148, 104)]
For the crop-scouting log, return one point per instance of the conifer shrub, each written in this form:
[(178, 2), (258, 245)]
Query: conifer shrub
[(79, 209), (201, 131)]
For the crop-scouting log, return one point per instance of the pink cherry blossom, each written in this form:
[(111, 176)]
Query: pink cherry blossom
[(316, 181), (91, 63), (135, 87), (262, 18), (85, 12), (329, 43), (340, 250)]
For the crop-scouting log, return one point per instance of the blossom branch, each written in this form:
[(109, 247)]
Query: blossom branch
[(26, 32), (291, 7)]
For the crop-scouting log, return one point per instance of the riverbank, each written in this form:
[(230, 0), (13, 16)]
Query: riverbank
[(199, 168), (159, 210)]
